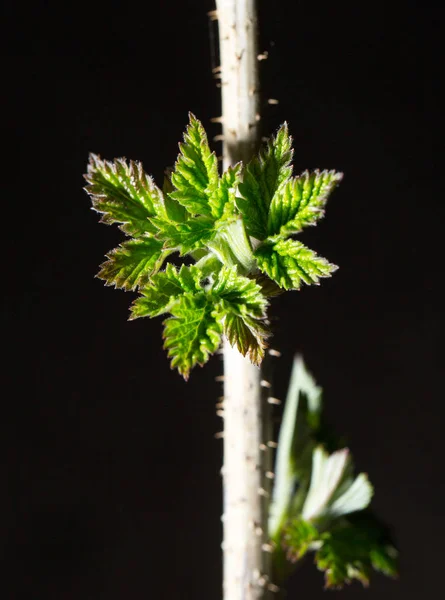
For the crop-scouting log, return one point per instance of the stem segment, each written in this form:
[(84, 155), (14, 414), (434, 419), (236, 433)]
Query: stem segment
[(246, 411), (240, 92), (246, 487)]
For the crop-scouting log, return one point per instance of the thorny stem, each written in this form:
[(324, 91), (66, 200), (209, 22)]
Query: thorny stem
[(247, 455)]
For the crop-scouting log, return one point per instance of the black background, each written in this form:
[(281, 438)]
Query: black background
[(111, 484)]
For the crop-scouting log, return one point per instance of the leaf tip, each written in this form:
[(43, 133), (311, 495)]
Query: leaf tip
[(192, 118)]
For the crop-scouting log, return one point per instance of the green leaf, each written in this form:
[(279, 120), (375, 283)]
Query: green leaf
[(195, 176), (208, 264), (240, 246), (298, 538), (328, 471), (293, 461), (289, 263), (167, 186), (353, 496), (131, 264), (222, 200), (351, 550), (184, 237), (164, 289), (268, 287), (192, 333), (167, 208), (241, 306), (220, 248), (232, 245), (242, 294), (340, 564), (122, 193), (247, 334), (333, 492), (300, 202), (262, 177)]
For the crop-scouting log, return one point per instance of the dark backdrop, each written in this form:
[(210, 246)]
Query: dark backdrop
[(111, 485)]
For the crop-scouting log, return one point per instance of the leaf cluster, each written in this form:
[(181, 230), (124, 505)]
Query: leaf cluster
[(319, 504), (350, 550), (237, 228)]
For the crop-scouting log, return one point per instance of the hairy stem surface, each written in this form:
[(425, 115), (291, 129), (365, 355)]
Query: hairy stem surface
[(246, 414)]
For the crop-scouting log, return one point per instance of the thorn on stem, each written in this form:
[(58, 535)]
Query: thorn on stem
[(219, 378), (262, 581), (219, 435), (273, 400), (273, 101), (213, 15), (263, 56), (265, 384), (273, 352), (272, 444)]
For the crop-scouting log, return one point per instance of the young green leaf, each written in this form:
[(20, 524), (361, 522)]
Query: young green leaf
[(164, 289), (195, 176), (354, 495), (131, 264), (241, 306), (192, 333), (247, 334), (293, 461), (268, 287), (289, 263), (328, 472), (262, 177), (222, 200), (123, 193), (298, 538), (221, 249), (300, 202), (167, 208), (240, 245), (184, 237), (242, 294), (333, 492), (351, 550)]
